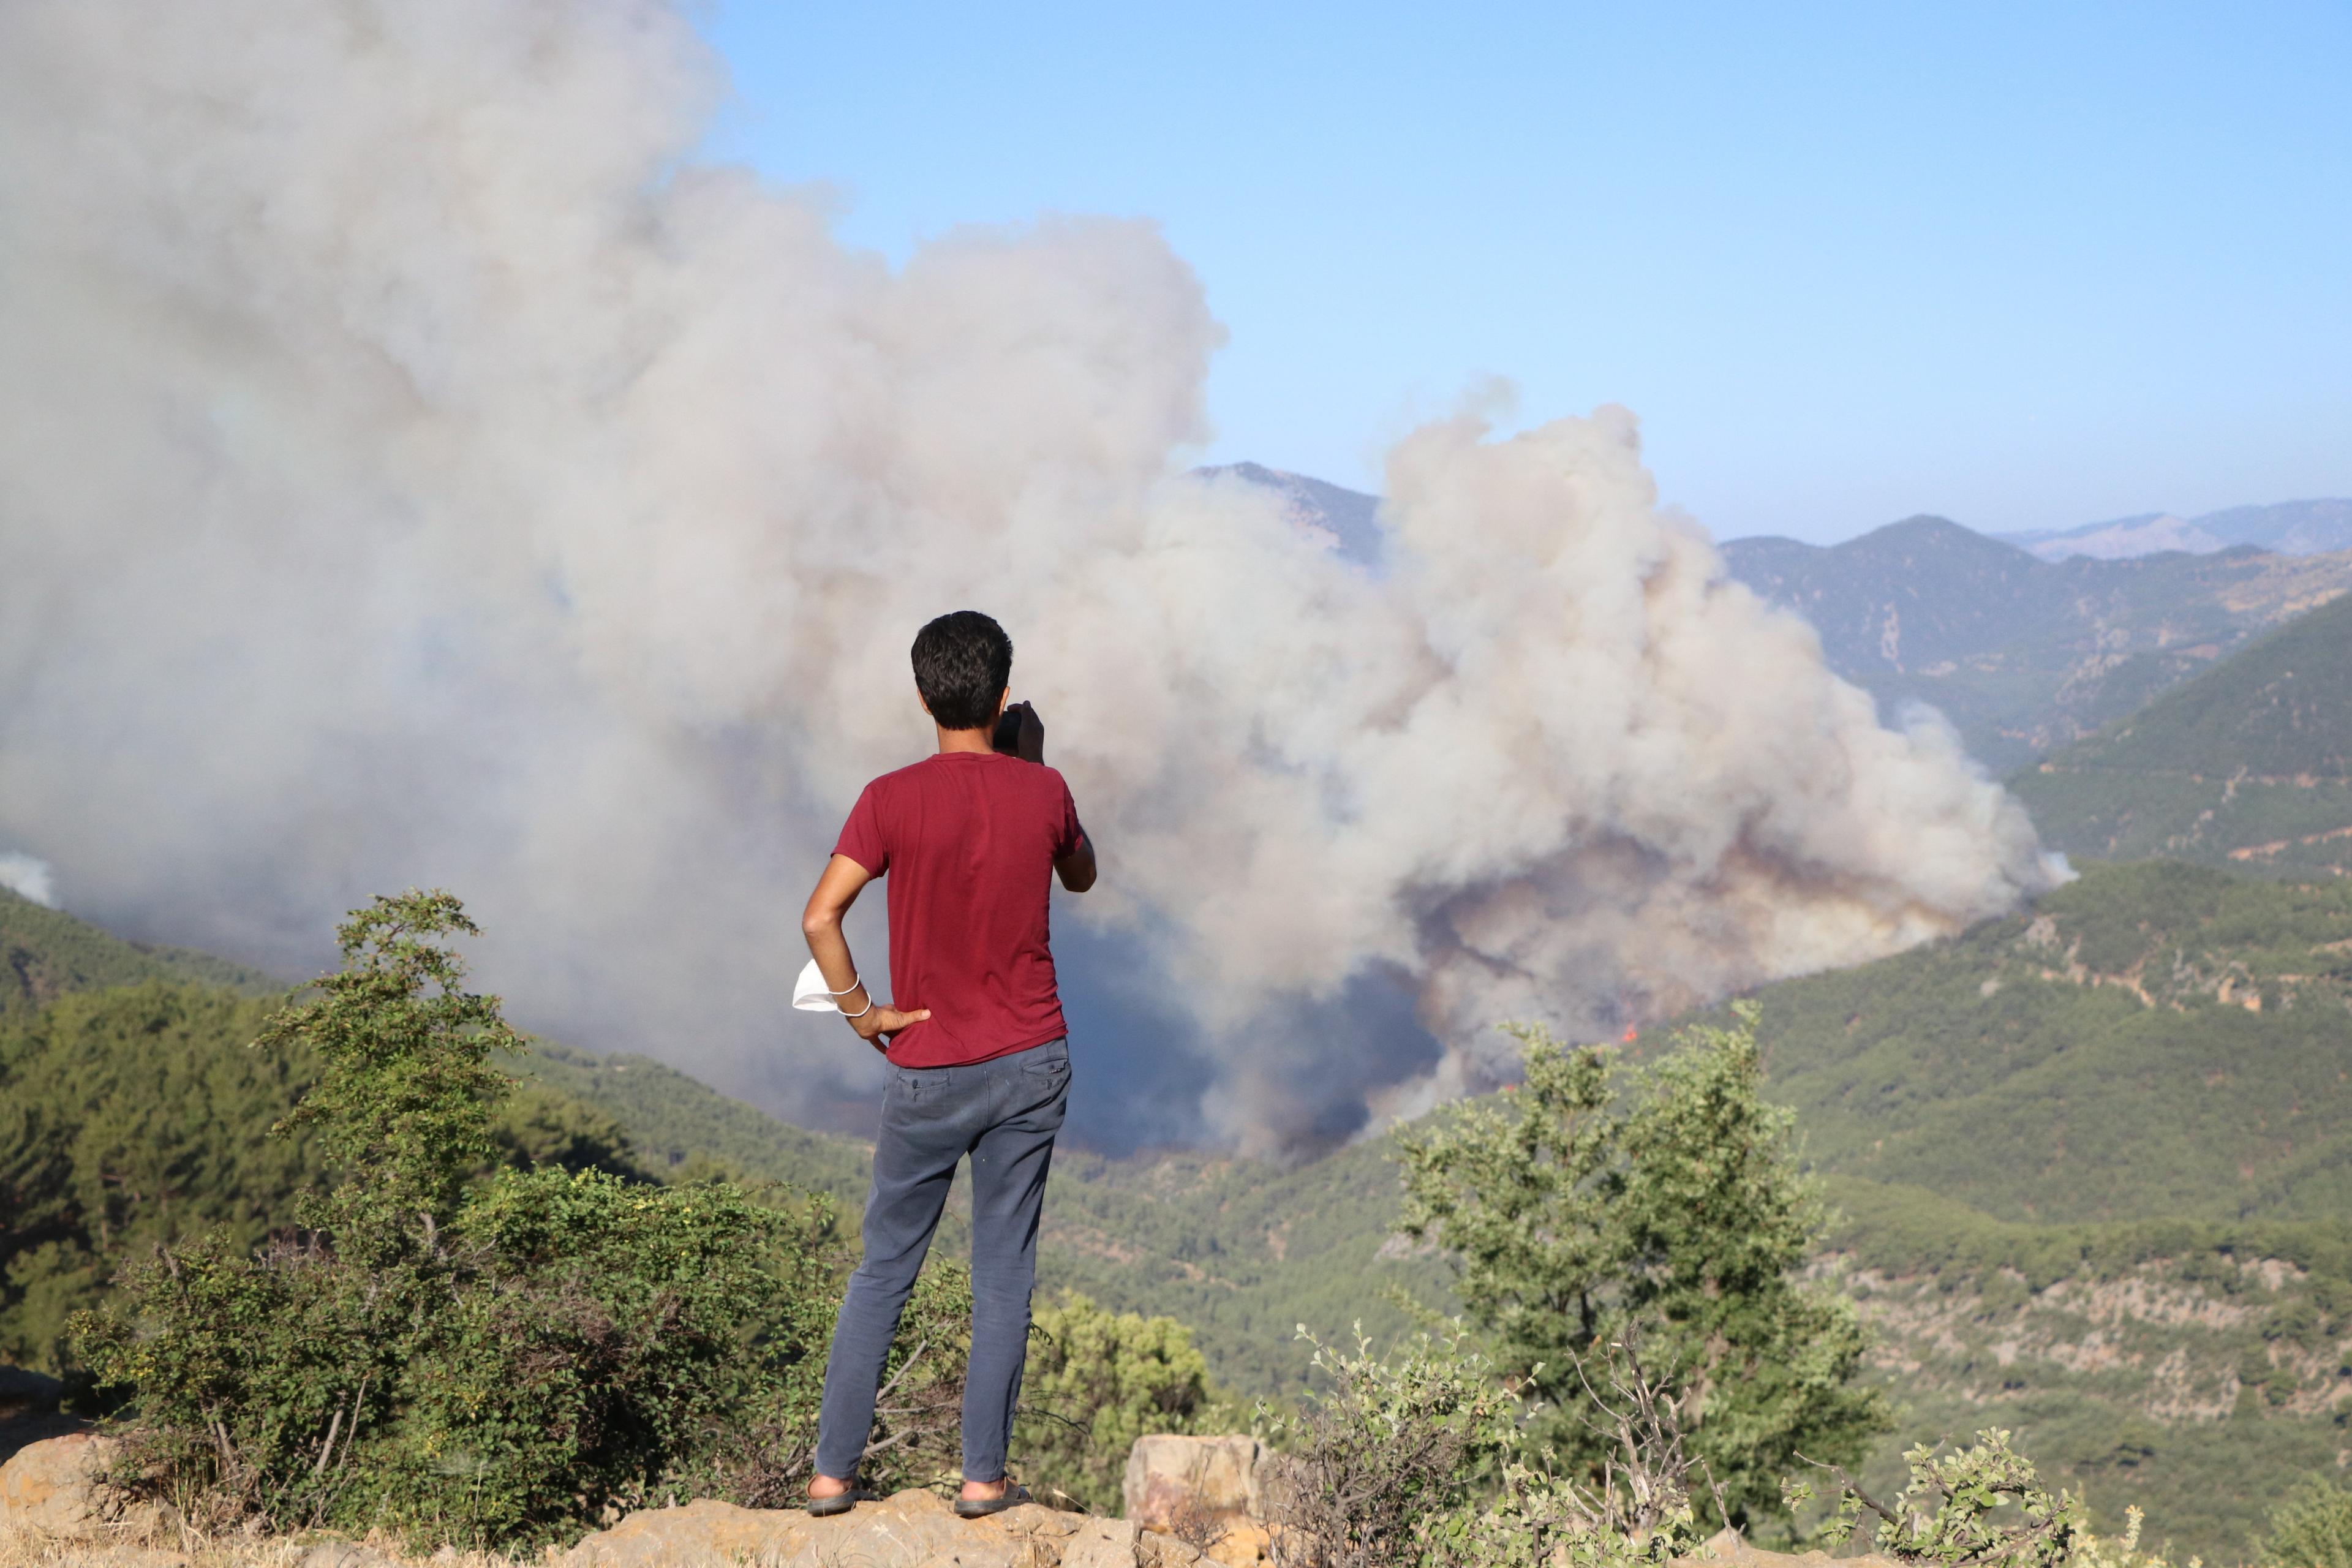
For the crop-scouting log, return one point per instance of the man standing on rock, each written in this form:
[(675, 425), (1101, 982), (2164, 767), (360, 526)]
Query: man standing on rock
[(980, 1064)]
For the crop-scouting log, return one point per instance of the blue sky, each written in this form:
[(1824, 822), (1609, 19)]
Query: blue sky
[(2023, 264)]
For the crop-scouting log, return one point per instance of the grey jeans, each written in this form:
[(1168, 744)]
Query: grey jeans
[(1004, 1113)]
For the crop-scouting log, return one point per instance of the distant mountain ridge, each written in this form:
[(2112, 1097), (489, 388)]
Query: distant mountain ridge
[(2290, 528), (2020, 653), (1348, 521)]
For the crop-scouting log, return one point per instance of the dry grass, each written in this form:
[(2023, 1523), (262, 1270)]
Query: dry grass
[(170, 1548)]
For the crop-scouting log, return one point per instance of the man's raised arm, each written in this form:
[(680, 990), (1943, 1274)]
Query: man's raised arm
[(1019, 733), (1076, 868)]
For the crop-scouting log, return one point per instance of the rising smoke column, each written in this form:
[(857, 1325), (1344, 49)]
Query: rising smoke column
[(415, 468)]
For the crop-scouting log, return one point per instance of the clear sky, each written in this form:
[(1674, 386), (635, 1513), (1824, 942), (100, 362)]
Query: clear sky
[(2023, 264)]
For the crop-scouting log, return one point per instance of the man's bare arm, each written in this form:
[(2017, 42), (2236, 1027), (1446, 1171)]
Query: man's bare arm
[(837, 889), (1076, 868)]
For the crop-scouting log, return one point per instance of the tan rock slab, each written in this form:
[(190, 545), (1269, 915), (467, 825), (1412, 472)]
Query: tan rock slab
[(912, 1530), (1243, 1544), (1153, 1549), (53, 1484), (1100, 1543)]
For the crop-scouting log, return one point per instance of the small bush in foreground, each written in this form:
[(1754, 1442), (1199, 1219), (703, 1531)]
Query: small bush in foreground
[(1951, 1511), (2121, 1550), (480, 1355), (1098, 1380), (2312, 1529), (1600, 1202), (1426, 1460)]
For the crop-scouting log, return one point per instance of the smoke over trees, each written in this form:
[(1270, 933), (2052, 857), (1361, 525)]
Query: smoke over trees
[(415, 468)]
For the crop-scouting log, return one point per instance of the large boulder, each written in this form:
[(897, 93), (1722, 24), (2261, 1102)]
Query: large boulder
[(1172, 1480), (1207, 1491), (58, 1486), (912, 1530)]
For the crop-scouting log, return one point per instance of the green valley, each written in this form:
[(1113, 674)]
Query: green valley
[(2249, 765)]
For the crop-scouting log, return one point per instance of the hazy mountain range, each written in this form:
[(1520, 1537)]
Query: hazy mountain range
[(2291, 528), (2020, 653)]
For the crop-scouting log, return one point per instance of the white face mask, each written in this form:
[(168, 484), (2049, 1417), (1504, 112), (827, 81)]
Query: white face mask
[(809, 992)]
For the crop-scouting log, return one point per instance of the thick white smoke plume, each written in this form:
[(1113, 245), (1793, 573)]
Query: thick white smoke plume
[(416, 468)]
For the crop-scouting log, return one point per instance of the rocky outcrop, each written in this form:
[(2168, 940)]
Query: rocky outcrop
[(57, 1487), (1169, 1479), (1209, 1493), (912, 1530)]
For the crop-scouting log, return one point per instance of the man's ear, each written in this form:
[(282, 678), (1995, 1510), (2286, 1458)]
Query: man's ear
[(1000, 698), (921, 698)]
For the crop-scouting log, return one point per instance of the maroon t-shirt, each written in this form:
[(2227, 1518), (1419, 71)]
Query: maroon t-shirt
[(968, 841)]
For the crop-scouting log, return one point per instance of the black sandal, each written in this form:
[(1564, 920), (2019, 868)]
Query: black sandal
[(982, 1507), (839, 1502)]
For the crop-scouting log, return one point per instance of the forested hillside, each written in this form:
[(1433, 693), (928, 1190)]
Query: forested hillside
[(135, 1108), (129, 1117), (1241, 1250), (45, 953), (2193, 1368), (2249, 765), (2020, 653), (2153, 1041)]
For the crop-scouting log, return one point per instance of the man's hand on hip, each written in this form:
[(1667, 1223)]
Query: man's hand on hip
[(875, 1026)]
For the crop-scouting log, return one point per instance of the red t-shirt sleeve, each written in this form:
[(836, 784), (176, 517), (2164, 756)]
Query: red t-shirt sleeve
[(1066, 840), (861, 836)]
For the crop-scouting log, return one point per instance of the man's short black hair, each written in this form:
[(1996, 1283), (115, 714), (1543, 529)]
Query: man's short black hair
[(962, 664)]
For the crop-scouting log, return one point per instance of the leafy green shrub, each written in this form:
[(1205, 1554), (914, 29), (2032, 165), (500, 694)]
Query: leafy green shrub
[(2312, 1529), (1425, 1459), (2121, 1550), (1371, 1467), (570, 1341), (1949, 1512), (472, 1352), (406, 1092), (1097, 1381), (1599, 1203)]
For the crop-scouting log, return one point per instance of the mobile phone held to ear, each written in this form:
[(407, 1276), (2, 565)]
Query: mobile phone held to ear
[(1007, 738)]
